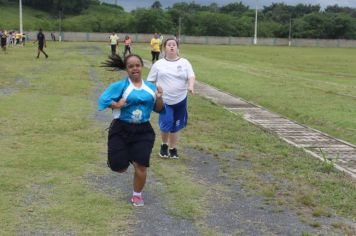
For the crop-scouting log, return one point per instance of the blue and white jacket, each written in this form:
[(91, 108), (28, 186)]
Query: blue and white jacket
[(139, 101)]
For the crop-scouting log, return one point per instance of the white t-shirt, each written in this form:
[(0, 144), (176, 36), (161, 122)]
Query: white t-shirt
[(173, 77), (114, 39)]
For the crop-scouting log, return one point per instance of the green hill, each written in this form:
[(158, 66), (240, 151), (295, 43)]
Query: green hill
[(236, 20), (32, 18), (99, 18)]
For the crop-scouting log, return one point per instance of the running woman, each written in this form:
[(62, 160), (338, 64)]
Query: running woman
[(114, 43), (3, 39), (155, 48), (131, 136), (41, 39), (127, 43), (176, 77)]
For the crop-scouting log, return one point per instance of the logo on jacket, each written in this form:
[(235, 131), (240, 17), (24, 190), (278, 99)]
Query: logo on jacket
[(137, 115)]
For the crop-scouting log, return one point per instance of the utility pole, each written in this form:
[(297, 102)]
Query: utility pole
[(255, 36), (179, 27), (20, 10), (290, 32), (60, 25)]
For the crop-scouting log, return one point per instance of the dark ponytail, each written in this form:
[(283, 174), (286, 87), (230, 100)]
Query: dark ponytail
[(117, 63), (114, 62)]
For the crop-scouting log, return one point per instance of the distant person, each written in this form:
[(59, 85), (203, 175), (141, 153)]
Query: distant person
[(13, 38), (41, 39), (131, 136), (127, 43), (18, 37), (23, 39), (160, 36), (114, 43), (176, 77), (53, 36), (8, 41), (10, 38), (155, 48), (3, 40)]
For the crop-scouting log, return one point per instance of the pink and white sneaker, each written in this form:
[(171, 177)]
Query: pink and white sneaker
[(137, 201)]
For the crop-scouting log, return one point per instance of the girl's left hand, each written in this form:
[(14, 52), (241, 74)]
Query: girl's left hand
[(159, 92), (191, 90)]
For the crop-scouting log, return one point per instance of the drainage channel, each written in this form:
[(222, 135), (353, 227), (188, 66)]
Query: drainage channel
[(315, 142)]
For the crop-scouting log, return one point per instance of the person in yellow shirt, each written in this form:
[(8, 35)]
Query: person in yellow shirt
[(18, 36), (155, 42)]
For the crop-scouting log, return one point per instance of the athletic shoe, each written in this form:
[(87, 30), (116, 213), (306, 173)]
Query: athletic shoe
[(173, 153), (163, 152), (137, 201)]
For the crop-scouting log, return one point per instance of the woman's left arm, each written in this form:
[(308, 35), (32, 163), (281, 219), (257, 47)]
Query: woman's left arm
[(191, 82), (191, 77), (159, 105)]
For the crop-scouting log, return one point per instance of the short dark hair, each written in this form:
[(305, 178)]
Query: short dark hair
[(132, 55), (169, 39)]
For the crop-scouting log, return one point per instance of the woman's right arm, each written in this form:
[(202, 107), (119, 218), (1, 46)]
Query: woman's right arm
[(152, 75), (117, 105), (109, 98)]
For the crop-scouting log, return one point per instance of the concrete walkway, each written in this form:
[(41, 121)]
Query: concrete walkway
[(315, 142)]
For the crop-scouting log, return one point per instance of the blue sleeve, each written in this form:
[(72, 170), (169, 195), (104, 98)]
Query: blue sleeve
[(112, 93)]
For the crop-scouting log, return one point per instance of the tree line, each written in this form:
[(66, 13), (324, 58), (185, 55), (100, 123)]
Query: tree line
[(234, 19)]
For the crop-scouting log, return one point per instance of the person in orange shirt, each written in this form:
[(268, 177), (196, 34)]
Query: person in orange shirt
[(127, 43)]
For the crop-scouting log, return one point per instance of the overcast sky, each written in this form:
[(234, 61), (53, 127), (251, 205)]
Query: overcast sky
[(133, 4)]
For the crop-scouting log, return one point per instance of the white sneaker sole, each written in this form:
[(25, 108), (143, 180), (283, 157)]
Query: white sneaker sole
[(162, 155)]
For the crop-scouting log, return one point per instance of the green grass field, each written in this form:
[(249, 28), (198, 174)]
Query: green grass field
[(313, 86), (50, 143)]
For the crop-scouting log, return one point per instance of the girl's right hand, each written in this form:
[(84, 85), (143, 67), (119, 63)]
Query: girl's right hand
[(121, 103)]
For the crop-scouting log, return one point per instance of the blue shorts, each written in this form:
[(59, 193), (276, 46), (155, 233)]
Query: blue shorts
[(174, 118)]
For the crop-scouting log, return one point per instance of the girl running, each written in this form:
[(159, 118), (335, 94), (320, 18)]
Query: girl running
[(127, 43), (3, 40), (176, 76), (131, 137), (155, 48)]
